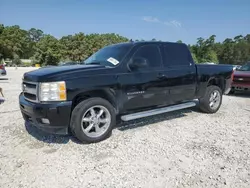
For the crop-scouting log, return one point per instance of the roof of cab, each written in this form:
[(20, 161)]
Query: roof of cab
[(134, 43), (154, 42), (147, 42)]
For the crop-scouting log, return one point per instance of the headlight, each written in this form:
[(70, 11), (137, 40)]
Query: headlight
[(53, 91)]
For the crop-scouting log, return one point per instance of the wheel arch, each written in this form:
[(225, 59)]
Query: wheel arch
[(219, 81), (107, 94)]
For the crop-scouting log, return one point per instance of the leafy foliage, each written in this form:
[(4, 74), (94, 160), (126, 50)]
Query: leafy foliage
[(35, 34), (16, 43), (16, 60), (194, 57), (13, 41), (47, 51)]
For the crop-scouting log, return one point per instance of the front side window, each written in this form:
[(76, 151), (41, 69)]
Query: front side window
[(109, 56), (151, 53)]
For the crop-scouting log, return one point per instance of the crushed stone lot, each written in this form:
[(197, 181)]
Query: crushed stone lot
[(180, 149)]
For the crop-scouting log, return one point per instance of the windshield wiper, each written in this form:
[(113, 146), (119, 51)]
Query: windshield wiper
[(94, 63)]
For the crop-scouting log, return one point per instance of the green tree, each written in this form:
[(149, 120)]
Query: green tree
[(35, 34), (17, 43), (73, 47), (79, 46), (205, 50), (13, 40), (194, 57), (211, 56), (47, 51), (227, 55), (1, 28), (16, 60)]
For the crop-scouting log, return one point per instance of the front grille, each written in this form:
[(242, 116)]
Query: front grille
[(30, 91), (241, 79)]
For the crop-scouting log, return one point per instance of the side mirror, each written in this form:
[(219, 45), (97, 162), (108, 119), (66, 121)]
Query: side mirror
[(138, 63)]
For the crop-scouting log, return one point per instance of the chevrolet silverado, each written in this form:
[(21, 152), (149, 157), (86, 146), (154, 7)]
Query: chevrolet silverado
[(127, 81)]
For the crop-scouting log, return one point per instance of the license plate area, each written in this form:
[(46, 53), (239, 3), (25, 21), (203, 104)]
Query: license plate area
[(239, 88)]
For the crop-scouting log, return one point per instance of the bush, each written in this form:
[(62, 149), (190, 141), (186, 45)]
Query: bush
[(16, 60)]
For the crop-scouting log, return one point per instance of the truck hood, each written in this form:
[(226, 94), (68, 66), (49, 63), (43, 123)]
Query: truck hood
[(59, 72), (242, 73)]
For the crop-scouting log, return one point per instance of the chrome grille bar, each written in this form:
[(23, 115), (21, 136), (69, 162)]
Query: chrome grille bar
[(30, 91)]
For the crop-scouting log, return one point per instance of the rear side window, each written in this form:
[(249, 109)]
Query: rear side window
[(176, 55), (151, 53)]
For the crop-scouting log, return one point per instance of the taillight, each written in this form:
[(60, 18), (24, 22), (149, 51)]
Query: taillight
[(1, 67)]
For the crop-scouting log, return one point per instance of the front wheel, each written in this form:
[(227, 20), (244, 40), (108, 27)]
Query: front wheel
[(212, 100), (93, 120)]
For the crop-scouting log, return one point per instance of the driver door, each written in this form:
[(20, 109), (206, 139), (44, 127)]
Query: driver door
[(145, 86)]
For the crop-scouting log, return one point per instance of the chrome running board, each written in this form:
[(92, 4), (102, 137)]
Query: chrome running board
[(157, 111)]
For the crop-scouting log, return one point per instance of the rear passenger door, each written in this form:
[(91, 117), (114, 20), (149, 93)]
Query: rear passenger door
[(180, 71)]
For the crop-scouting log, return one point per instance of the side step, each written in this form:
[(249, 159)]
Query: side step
[(157, 111)]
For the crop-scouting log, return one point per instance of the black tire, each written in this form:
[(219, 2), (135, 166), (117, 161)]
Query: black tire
[(232, 91), (81, 109), (205, 103)]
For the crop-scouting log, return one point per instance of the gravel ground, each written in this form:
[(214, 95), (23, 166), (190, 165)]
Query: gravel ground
[(181, 149)]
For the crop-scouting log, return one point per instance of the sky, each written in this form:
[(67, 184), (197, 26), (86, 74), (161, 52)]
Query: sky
[(166, 20)]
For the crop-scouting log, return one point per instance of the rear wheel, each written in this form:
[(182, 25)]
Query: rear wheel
[(93, 120), (212, 100)]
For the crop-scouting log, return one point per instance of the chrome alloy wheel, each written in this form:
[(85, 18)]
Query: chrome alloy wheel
[(96, 121), (214, 100)]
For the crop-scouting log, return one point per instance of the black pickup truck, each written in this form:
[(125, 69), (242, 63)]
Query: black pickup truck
[(126, 81)]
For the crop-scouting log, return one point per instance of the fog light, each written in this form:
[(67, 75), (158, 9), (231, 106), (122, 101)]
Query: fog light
[(45, 121)]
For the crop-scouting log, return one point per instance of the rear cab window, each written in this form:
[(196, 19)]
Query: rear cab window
[(176, 55)]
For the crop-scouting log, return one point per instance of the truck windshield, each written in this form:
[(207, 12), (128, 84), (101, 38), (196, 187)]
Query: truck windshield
[(109, 56), (245, 67)]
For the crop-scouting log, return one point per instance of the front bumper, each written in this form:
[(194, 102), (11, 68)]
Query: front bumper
[(58, 115), (3, 72), (238, 86)]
